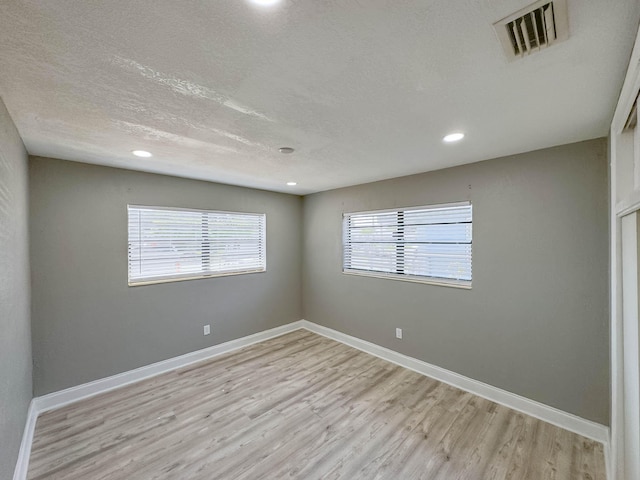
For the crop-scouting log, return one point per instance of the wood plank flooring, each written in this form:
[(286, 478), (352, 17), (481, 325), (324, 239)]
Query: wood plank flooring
[(302, 406)]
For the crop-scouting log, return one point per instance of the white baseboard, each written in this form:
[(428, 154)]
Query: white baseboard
[(64, 397), (562, 419), (535, 409), (59, 399), (22, 465)]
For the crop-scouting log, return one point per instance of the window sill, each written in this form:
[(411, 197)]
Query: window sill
[(140, 283), (465, 285)]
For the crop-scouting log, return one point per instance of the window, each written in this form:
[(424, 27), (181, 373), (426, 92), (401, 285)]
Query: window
[(169, 244), (427, 244)]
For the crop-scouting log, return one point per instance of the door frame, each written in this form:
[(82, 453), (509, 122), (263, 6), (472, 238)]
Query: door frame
[(615, 453)]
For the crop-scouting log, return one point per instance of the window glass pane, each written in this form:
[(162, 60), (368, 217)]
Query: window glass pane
[(379, 257), (438, 215), (439, 261), (373, 234), (172, 243), (431, 242), (450, 233)]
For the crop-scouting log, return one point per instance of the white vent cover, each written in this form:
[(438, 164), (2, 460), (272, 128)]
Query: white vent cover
[(533, 28)]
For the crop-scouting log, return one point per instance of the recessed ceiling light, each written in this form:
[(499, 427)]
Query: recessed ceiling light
[(142, 153), (292, 184), (286, 150), (265, 3), (453, 137)]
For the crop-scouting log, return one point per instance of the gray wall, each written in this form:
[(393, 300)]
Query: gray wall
[(535, 322), (15, 328), (88, 324)]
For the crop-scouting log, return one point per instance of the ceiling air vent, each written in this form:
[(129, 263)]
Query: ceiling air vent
[(533, 28)]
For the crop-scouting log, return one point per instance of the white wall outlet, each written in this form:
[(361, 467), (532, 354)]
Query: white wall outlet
[(207, 329), (399, 333)]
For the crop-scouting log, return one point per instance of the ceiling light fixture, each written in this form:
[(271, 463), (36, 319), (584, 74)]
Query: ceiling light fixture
[(265, 3), (142, 153), (286, 150), (453, 137), (292, 184)]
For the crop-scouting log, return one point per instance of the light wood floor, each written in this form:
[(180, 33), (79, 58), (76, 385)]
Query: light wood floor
[(302, 406)]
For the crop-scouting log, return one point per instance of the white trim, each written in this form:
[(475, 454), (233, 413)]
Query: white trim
[(616, 446), (464, 284), (628, 95), (629, 205), (22, 465), (607, 458), (70, 395), (568, 421), (142, 283), (629, 92)]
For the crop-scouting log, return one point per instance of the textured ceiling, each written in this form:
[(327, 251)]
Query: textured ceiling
[(362, 89)]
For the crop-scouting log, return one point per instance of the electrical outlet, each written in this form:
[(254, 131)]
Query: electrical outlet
[(399, 333), (207, 329)]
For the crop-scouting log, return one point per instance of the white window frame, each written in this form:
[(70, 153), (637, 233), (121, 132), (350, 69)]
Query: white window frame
[(457, 283), (151, 280)]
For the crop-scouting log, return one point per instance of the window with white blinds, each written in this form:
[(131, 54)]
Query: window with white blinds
[(169, 244), (428, 244)]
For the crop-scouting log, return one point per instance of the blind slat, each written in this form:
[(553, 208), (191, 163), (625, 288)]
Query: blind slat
[(171, 243), (429, 242)]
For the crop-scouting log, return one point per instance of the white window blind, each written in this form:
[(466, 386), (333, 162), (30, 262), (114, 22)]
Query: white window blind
[(429, 243), (167, 244)]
